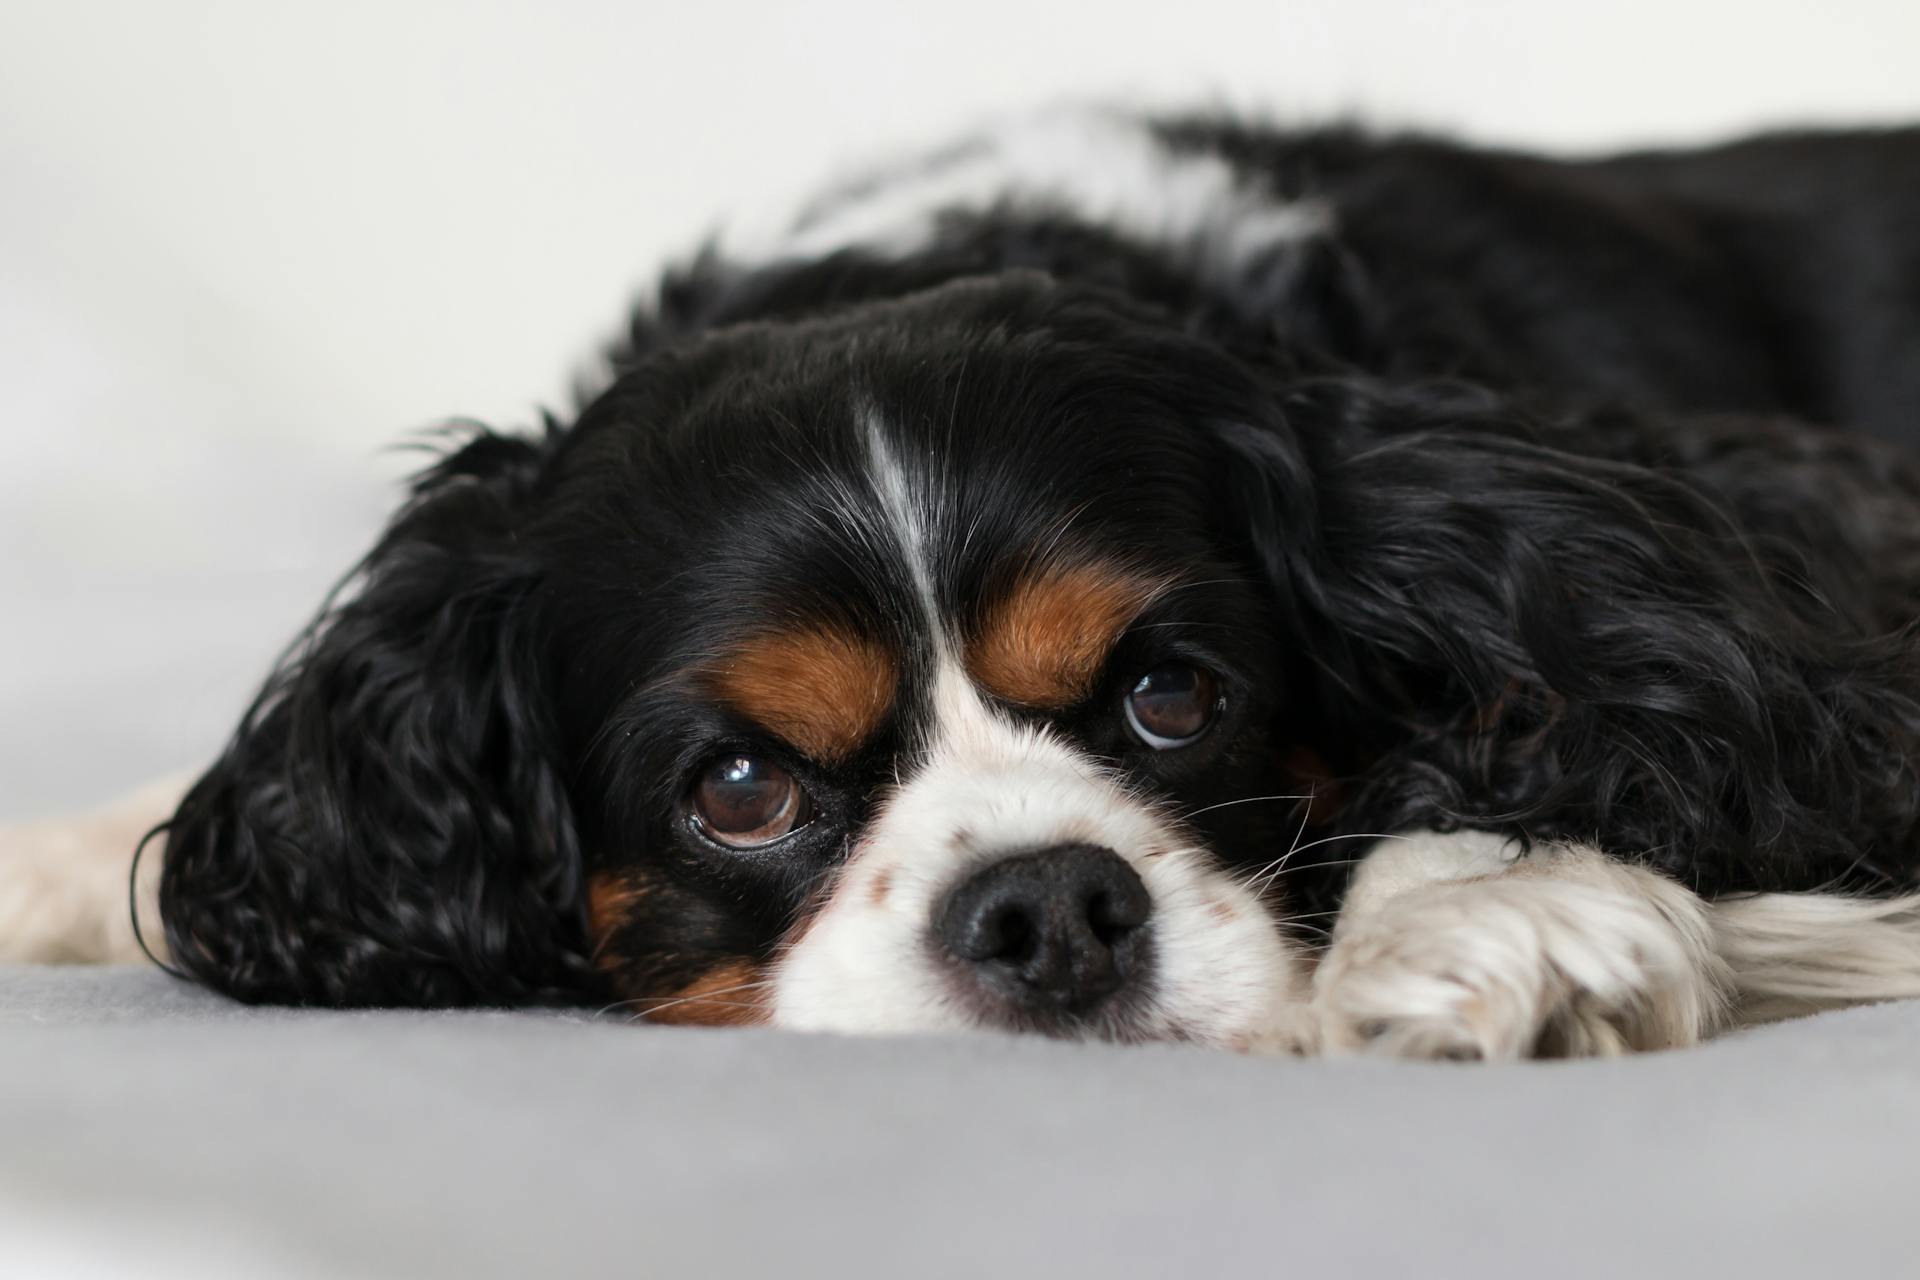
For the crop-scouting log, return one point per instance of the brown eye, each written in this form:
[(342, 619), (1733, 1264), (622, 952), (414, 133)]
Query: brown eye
[(745, 801), (1172, 705)]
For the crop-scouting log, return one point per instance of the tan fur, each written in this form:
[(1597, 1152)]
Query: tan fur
[(611, 898), (724, 997), (823, 689), (1044, 641)]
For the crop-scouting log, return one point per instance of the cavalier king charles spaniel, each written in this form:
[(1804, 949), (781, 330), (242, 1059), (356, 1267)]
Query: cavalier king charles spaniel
[(1152, 579)]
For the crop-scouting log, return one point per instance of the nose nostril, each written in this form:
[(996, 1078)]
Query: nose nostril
[(1056, 931), (1008, 935), (1109, 922)]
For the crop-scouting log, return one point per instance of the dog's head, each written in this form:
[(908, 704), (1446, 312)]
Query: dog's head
[(912, 671), (900, 669)]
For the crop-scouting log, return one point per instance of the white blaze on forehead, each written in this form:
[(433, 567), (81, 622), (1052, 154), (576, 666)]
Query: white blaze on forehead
[(908, 511), (1106, 169)]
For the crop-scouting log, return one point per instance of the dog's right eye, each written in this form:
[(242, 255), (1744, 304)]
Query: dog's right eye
[(744, 801)]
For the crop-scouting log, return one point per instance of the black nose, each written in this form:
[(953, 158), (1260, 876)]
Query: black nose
[(1055, 931)]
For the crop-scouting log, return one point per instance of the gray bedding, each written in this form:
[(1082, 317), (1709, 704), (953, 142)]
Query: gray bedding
[(147, 1127)]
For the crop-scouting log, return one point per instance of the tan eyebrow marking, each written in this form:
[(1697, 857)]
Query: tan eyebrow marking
[(824, 689), (1043, 642)]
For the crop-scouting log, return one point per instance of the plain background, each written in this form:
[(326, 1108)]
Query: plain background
[(246, 246)]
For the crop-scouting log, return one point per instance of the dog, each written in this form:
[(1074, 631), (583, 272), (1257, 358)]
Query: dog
[(1152, 579)]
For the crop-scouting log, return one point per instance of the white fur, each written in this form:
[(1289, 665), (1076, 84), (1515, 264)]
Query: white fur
[(1103, 168), (905, 517), (1456, 946), (1565, 951), (990, 788), (1794, 953), (63, 883), (1401, 864)]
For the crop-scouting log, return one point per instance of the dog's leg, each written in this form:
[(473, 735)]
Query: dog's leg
[(63, 882), (1453, 946)]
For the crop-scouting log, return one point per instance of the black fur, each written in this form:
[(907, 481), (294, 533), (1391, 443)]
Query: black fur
[(1530, 498)]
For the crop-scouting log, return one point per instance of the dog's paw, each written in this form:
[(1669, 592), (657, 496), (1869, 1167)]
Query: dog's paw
[(63, 883), (1565, 955)]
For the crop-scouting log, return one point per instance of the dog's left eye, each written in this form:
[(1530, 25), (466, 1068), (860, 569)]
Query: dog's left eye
[(1172, 705), (744, 801)]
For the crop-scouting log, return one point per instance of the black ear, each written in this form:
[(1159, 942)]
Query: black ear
[(1580, 628), (389, 824)]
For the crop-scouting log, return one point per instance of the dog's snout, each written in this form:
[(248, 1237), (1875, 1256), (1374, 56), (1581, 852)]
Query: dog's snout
[(1055, 931)]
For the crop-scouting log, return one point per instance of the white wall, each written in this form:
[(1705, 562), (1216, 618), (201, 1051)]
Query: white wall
[(243, 245)]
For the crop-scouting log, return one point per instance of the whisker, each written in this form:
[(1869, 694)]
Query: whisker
[(665, 1000), (1356, 835), (1202, 582), (646, 1015), (659, 1003), (669, 1002), (1305, 932), (1228, 804), (1270, 873), (1306, 815), (1282, 859), (1192, 626), (1336, 862), (716, 1001)]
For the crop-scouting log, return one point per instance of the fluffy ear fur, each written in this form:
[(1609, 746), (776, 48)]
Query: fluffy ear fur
[(1587, 629), (388, 825)]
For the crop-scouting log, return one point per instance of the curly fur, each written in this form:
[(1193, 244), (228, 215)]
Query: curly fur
[(390, 823), (1560, 625), (1534, 478)]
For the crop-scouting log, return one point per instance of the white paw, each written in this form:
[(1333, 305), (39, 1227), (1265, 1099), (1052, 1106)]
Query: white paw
[(1567, 954), (63, 883)]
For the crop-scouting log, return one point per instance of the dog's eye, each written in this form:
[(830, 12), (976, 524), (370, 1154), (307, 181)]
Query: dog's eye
[(1172, 705), (745, 801)]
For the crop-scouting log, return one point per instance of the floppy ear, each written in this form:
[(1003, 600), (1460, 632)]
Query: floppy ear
[(1557, 629), (389, 825)]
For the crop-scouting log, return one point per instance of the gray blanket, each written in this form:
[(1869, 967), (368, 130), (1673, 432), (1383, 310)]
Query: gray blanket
[(150, 1128)]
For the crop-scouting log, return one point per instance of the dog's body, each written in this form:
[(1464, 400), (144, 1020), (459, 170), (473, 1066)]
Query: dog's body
[(1015, 594)]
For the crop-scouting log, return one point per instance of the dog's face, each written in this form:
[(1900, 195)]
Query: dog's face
[(925, 665), (912, 682)]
